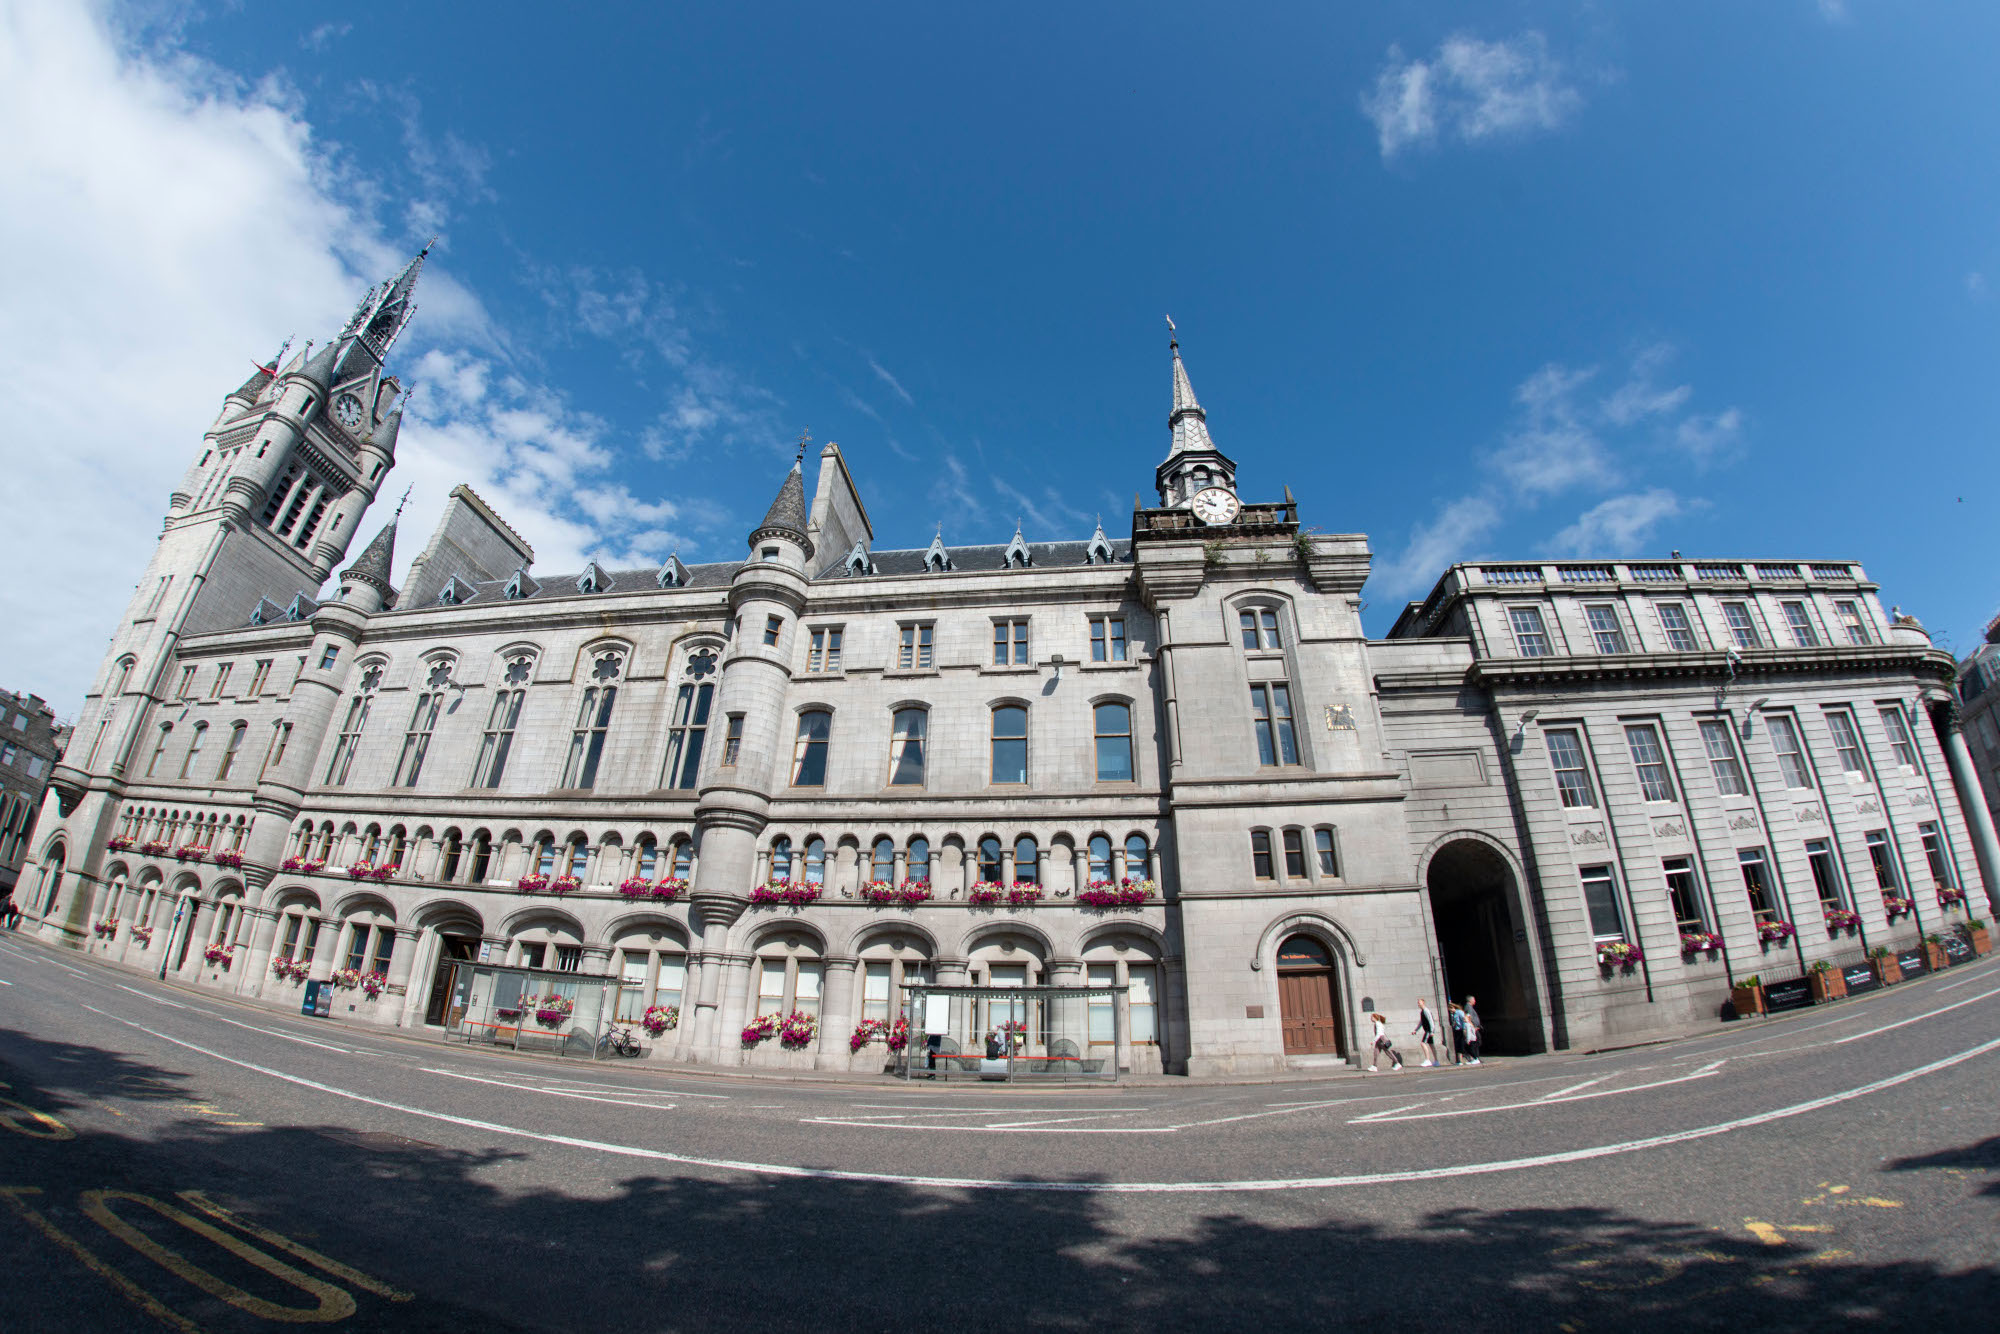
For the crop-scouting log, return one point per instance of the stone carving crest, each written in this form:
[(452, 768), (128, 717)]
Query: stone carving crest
[(1587, 835), (1920, 798), (1868, 806), (1809, 815), (1743, 820), (1670, 829)]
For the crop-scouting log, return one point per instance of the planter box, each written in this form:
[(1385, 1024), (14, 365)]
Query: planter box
[(1747, 1000), (1981, 942), (1934, 956), (1828, 986), (1886, 971)]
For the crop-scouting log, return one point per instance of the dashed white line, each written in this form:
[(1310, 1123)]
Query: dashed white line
[(553, 1093), (1577, 1088), (1398, 1114)]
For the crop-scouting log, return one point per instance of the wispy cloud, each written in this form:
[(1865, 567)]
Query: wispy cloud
[(1453, 534), (1469, 91), (890, 380), (325, 35), (1620, 525)]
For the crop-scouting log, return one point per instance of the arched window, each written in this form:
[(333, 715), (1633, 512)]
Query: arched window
[(1260, 627), (781, 858), (1100, 857), (883, 866), (809, 754), (815, 860), (545, 856), (397, 846), (683, 858), (1138, 860), (325, 853), (1010, 744), (52, 875), (906, 748), (448, 863), (1327, 851), (920, 860), (371, 844), (649, 859), (690, 721), (579, 858), (593, 724), (1026, 863), (482, 857), (159, 749), (1114, 743), (237, 731), (989, 858)]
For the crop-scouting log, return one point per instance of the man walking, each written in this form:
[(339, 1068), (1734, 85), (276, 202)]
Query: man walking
[(1426, 1034), (1474, 1030)]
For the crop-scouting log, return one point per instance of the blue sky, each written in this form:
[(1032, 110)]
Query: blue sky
[(1514, 280)]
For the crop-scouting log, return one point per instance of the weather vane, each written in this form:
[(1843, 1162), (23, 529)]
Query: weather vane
[(805, 438), (405, 500)]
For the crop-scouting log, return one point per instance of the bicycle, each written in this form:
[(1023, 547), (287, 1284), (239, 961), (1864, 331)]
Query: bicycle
[(617, 1042)]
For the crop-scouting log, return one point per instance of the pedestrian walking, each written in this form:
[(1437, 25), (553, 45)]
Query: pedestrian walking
[(1457, 1017), (1383, 1046), (1426, 1035), (1474, 1030)]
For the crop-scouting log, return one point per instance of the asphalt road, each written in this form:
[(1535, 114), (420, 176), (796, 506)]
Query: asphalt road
[(176, 1160)]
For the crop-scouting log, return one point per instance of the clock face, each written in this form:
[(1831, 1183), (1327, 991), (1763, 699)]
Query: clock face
[(347, 411), (1215, 505)]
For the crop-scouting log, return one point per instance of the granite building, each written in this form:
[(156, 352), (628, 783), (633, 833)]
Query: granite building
[(31, 741), (1169, 761)]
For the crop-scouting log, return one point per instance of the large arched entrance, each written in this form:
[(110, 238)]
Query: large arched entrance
[(1482, 942), (1306, 1007)]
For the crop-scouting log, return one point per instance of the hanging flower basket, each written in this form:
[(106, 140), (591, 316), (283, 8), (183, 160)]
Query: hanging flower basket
[(143, 934), (1948, 897), (301, 969), (191, 852), (797, 1031), (282, 966), (1620, 954), (219, 954), (1697, 942), (107, 927), (1775, 932), (564, 884), (532, 884), (1842, 919), (1124, 894), (907, 894), (552, 1010), (230, 858), (985, 894), (117, 844), (866, 1032), (1024, 894), (374, 984), (660, 1018), (154, 847), (1897, 905), (757, 1030), (899, 1034), (347, 979), (302, 865), (790, 893)]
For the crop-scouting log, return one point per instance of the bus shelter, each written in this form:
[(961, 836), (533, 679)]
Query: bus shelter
[(1011, 1033), (531, 1009)]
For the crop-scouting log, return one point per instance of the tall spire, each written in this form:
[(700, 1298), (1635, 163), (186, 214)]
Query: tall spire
[(1187, 421), (787, 515), (371, 567)]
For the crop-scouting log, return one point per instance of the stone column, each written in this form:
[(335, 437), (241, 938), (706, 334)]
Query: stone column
[(402, 959), (952, 973), (705, 1008), (1971, 798), (733, 974), (1120, 868), (1080, 867), (1006, 866), (257, 959), (1064, 1018), (836, 1012), (424, 945)]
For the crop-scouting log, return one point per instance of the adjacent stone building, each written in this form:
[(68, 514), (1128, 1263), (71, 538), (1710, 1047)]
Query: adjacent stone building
[(1169, 761), (31, 741)]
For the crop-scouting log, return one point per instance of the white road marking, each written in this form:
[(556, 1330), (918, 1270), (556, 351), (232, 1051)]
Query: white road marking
[(1551, 1100), (157, 1000), (1387, 1112), (1119, 1187), (621, 1088), (1051, 1121), (5, 983), (1574, 1088), (553, 1093), (1900, 1023), (268, 1032), (987, 1130)]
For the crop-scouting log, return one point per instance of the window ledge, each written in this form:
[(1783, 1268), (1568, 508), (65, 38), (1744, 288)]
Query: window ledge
[(909, 671), (1125, 666), (1027, 669)]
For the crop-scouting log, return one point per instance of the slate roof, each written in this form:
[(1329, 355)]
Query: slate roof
[(788, 511), (986, 557), (372, 565), (320, 369)]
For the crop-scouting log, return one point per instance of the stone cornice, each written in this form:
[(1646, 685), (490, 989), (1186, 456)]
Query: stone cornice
[(1709, 665)]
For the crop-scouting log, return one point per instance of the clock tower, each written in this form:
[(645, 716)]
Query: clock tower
[(1196, 476)]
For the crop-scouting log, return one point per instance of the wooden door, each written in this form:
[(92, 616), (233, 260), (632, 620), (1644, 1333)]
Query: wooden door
[(1305, 1005)]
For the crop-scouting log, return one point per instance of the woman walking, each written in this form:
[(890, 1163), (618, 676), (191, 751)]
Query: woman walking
[(1472, 1029), (1382, 1045)]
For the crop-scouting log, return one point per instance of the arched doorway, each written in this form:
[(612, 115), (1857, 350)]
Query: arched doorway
[(1306, 1010), (1482, 942)]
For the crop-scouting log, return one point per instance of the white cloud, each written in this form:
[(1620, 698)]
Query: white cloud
[(1639, 397), (1975, 285), (166, 223), (891, 381), (1712, 438), (1453, 535), (1619, 526), (1553, 448), (1470, 91)]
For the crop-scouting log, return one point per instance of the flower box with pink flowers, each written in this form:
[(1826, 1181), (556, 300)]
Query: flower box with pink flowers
[(906, 895), (107, 928), (564, 884), (1120, 894), (1896, 905), (791, 894), (1700, 942), (662, 891), (302, 865), (154, 847), (231, 858), (117, 844), (219, 954), (368, 871), (532, 884), (191, 852), (1950, 897), (660, 1018), (1620, 954), (1775, 932), (1842, 919)]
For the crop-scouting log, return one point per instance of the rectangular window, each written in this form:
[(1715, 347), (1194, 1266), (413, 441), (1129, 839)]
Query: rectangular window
[(1757, 884), (1107, 639), (8, 750), (586, 742), (1600, 896), (1791, 753), (1141, 1001), (1271, 712), (1847, 742), (1010, 744), (632, 988), (770, 987), (1852, 623), (417, 740), (824, 655), (673, 981), (1114, 742), (187, 683), (349, 740), (281, 736), (498, 740), (1684, 892), (330, 656), (1742, 629), (357, 949), (1260, 627), (1883, 858), (1651, 762), (1605, 628), (1722, 761), (1679, 631), (1934, 854), (809, 750), (258, 677), (1531, 636), (1799, 622), (1010, 643), (689, 732), (1901, 744), (913, 653), (1260, 854), (906, 747), (732, 741), (1295, 854), (805, 998), (773, 627), (569, 959), (875, 992), (1572, 777), (1103, 1009), (221, 685), (1329, 860), (1826, 876), (236, 735)]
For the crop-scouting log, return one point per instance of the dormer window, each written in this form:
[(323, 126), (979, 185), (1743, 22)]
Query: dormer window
[(857, 560), (593, 580)]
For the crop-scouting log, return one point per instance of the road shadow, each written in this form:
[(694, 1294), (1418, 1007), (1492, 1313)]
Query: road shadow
[(1981, 1157), (487, 1243)]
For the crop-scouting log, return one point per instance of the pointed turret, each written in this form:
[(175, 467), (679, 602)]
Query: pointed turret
[(384, 436), (1187, 421), (370, 570), (787, 515), (321, 367), (1193, 462)]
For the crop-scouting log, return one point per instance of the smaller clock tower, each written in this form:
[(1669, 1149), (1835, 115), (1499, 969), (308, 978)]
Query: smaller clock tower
[(1196, 475)]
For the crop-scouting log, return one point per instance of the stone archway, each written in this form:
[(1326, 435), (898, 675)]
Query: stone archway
[(1482, 941)]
